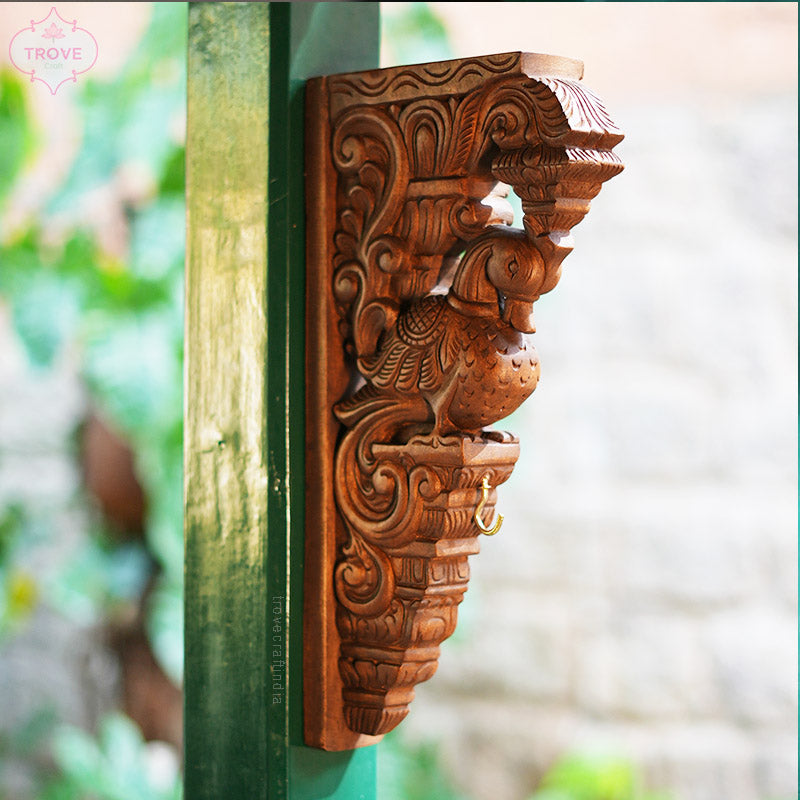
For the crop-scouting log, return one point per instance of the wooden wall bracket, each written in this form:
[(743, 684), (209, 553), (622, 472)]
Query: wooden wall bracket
[(419, 321)]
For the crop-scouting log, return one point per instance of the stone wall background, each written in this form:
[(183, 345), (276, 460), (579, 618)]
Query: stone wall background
[(642, 597)]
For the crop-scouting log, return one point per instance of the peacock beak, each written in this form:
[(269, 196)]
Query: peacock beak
[(519, 314)]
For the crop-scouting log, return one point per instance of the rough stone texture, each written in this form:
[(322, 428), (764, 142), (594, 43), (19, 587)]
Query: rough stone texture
[(642, 595)]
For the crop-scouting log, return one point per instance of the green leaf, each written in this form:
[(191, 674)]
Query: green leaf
[(412, 33), (11, 523), (173, 177), (45, 313), (115, 766), (165, 628), (60, 790), (16, 132), (77, 755), (412, 772), (121, 743), (158, 239), (99, 578), (552, 794), (18, 259), (131, 367), (595, 776), (29, 736)]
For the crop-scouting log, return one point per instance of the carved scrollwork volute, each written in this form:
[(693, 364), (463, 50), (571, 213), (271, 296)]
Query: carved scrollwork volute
[(369, 266), (440, 344)]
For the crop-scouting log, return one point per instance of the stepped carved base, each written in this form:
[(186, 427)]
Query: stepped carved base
[(385, 655)]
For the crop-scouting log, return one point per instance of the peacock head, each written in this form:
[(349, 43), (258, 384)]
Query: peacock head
[(503, 272), (516, 269)]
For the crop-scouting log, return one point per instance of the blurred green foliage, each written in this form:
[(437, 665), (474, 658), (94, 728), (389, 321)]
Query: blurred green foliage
[(412, 771), (409, 771), (122, 316), (119, 315), (117, 765), (16, 133), (412, 33), (593, 777)]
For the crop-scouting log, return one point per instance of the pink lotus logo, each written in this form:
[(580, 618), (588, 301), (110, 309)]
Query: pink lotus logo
[(53, 51), (53, 32)]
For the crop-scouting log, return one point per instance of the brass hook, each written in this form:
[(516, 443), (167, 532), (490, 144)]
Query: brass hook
[(495, 527)]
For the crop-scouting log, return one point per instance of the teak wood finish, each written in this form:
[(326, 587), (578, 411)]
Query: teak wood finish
[(419, 321)]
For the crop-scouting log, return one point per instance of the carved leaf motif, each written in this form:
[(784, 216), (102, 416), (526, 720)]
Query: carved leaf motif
[(584, 113), (426, 131), (368, 154)]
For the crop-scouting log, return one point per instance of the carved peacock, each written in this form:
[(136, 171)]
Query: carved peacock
[(457, 362)]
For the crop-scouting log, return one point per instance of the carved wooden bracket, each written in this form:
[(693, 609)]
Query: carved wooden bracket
[(420, 310)]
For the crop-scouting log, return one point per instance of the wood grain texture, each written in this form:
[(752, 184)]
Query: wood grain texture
[(226, 454), (423, 349), (244, 415)]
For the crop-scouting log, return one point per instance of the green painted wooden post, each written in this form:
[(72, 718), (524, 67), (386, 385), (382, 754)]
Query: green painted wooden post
[(244, 432)]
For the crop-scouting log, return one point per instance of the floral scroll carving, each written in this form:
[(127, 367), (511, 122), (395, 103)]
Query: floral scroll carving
[(424, 297)]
